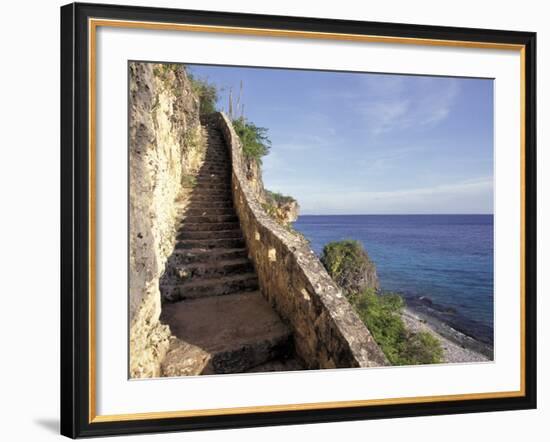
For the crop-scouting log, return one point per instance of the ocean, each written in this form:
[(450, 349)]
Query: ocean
[(441, 264)]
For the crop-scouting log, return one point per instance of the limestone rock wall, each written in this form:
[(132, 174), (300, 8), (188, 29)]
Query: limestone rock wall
[(165, 149), (286, 212), (327, 331)]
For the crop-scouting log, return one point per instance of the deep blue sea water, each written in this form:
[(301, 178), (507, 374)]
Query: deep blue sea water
[(442, 262)]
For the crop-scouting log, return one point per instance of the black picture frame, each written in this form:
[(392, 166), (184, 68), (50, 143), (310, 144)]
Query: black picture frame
[(75, 221)]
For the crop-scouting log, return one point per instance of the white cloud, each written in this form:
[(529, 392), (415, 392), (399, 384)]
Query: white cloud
[(302, 142), (405, 103), (376, 160), (470, 196)]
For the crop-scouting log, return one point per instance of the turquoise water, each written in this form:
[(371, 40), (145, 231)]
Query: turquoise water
[(442, 264)]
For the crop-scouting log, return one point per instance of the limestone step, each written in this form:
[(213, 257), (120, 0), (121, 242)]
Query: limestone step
[(204, 185), (221, 159), (229, 334), (191, 271), (211, 219), (220, 155), (216, 181), (202, 288), (215, 169), (208, 204), (222, 186), (217, 161), (212, 194), (215, 166), (213, 178), (203, 211), (207, 227), (199, 191), (205, 174), (218, 201), (201, 197), (209, 234), (228, 243), (221, 165), (186, 256), (216, 148)]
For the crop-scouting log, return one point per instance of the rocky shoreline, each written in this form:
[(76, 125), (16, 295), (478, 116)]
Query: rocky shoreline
[(457, 347)]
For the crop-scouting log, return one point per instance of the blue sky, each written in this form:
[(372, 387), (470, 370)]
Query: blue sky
[(357, 143)]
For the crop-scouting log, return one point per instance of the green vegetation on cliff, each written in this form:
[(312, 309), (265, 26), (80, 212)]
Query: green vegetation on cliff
[(279, 198), (346, 262), (207, 94), (349, 265), (382, 316), (256, 143)]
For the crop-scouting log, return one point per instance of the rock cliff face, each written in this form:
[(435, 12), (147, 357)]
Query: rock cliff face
[(283, 209), (166, 150)]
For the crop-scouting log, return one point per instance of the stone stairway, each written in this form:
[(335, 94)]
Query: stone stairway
[(220, 321)]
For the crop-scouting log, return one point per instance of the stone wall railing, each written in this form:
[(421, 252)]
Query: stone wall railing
[(327, 331)]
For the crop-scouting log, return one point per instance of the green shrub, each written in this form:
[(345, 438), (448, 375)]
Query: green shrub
[(382, 316), (278, 198), (254, 139), (422, 348), (206, 92), (349, 265)]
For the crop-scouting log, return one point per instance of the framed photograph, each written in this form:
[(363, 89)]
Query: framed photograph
[(274, 220)]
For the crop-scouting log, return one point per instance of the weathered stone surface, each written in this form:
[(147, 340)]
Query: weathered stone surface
[(223, 334), (327, 332), (165, 149), (287, 212), (283, 209)]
